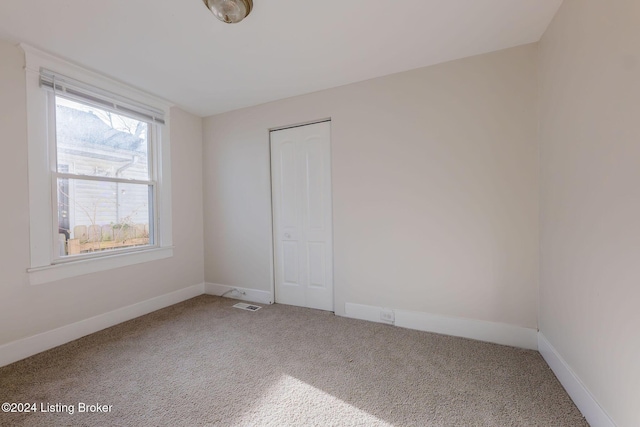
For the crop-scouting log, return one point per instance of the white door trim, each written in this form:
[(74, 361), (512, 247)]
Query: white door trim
[(297, 125), (273, 216)]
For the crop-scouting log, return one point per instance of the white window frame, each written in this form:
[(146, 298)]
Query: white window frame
[(45, 265), (153, 135)]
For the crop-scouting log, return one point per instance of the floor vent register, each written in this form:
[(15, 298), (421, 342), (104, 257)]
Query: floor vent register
[(248, 307)]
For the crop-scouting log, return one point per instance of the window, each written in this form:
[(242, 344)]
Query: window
[(99, 172), (105, 186)]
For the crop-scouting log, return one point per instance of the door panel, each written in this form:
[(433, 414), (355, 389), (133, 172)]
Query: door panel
[(290, 262), (303, 247), (316, 253), (314, 196), (288, 184)]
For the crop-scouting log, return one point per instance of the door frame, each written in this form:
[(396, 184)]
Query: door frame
[(271, 211)]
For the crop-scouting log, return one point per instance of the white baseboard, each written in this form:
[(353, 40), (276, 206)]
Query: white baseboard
[(364, 312), (252, 295), (498, 333), (23, 348), (579, 393)]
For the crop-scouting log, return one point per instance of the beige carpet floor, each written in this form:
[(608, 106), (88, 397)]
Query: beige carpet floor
[(204, 363)]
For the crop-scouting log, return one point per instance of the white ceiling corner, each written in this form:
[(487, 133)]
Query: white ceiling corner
[(177, 50)]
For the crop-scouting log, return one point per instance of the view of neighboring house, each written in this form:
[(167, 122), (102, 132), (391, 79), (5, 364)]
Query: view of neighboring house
[(98, 143)]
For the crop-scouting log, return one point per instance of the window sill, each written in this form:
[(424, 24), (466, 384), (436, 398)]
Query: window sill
[(55, 272)]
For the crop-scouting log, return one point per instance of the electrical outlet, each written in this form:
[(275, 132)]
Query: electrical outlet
[(387, 316)]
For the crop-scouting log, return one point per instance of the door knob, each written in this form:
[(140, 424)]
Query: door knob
[(287, 235)]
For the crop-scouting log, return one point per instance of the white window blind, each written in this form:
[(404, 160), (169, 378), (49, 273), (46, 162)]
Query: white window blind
[(74, 89)]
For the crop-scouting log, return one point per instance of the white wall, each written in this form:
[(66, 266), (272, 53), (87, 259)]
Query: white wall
[(435, 189), (590, 204), (26, 310)]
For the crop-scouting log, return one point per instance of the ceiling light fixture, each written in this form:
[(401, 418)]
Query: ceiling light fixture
[(229, 11)]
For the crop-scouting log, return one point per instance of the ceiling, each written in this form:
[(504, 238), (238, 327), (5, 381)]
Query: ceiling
[(176, 49)]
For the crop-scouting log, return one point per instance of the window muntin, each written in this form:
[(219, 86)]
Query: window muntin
[(105, 192)]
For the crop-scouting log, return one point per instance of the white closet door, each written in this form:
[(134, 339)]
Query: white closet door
[(301, 179)]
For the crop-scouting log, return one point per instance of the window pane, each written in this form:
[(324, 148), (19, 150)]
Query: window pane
[(92, 141), (98, 216)]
